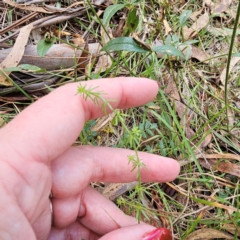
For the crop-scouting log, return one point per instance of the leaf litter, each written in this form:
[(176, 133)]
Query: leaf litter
[(197, 26), (190, 69), (14, 57)]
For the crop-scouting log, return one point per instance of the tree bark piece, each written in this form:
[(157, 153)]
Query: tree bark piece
[(15, 54), (59, 56)]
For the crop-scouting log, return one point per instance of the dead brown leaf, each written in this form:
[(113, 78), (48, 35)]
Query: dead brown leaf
[(206, 140), (104, 61), (210, 156), (83, 58), (209, 3), (221, 166), (45, 9), (167, 27), (223, 155), (103, 122), (208, 233), (77, 40), (26, 8), (226, 2), (119, 30), (195, 14), (221, 6), (172, 92), (61, 10), (113, 190), (231, 228), (15, 56), (232, 14), (188, 130), (157, 201), (141, 42), (151, 219), (197, 26), (61, 33), (36, 35), (200, 55)]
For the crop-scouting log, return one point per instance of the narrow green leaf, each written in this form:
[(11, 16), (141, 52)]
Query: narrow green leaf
[(236, 55), (43, 46), (123, 44), (132, 22), (12, 69), (190, 42), (42, 70), (110, 11), (29, 67), (169, 50), (184, 17), (26, 67)]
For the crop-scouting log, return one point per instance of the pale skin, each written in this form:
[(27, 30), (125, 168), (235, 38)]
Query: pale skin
[(37, 157)]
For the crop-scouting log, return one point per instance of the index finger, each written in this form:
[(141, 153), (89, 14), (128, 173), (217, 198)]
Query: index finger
[(50, 126)]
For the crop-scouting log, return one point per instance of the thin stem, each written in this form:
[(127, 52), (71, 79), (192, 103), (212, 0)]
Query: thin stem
[(15, 85), (229, 61)]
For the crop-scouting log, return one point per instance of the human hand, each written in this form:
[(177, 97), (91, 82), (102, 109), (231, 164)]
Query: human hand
[(37, 156)]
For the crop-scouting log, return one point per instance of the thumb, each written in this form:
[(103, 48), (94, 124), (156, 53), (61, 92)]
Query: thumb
[(135, 232)]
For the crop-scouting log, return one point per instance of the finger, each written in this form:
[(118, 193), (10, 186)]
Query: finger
[(49, 126), (92, 210), (74, 231), (22, 208), (131, 232), (13, 223), (74, 169)]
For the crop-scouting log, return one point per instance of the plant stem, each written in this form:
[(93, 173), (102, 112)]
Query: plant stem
[(229, 61)]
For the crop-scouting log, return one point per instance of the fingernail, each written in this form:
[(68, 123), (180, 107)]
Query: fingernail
[(158, 234)]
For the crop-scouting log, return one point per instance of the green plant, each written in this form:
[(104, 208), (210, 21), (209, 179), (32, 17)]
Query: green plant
[(139, 190), (88, 92), (45, 44), (87, 135)]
